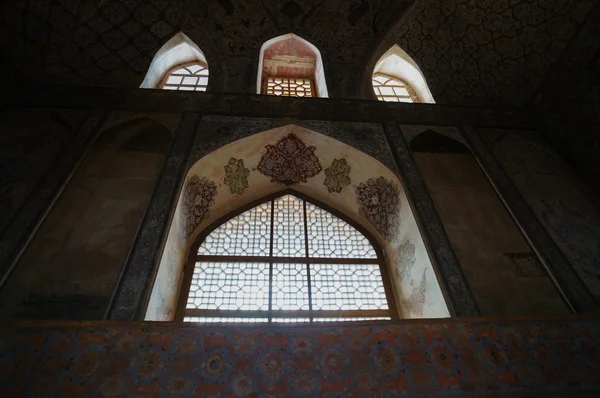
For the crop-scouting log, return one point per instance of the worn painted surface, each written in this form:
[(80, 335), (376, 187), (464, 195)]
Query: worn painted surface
[(562, 203), (411, 358), (72, 266), (482, 233)]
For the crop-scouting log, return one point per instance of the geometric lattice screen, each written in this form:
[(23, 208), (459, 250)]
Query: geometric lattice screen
[(391, 89), (286, 260), (188, 77), (288, 87)]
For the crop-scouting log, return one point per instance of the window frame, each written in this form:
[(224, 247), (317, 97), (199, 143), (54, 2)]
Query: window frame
[(163, 81), (380, 260), (412, 94), (311, 81)]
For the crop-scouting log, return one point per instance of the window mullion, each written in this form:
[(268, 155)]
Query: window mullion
[(271, 261), (307, 256)]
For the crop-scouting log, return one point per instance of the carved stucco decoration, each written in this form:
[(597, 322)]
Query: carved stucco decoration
[(405, 261), (415, 303), (379, 202), (471, 52), (337, 175), (485, 53), (198, 197), (289, 161), (236, 176)]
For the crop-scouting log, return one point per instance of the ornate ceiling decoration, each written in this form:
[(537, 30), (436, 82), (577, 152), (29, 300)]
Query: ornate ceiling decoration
[(484, 52)]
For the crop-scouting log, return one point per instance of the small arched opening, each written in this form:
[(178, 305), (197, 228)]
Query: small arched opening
[(178, 65), (290, 66)]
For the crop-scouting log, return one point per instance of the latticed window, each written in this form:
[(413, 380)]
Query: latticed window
[(187, 77), (391, 89), (285, 260), (288, 87)]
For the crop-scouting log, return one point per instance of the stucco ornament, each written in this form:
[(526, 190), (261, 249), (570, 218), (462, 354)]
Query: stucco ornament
[(379, 203), (198, 197), (290, 161), (236, 176), (337, 175), (405, 260)]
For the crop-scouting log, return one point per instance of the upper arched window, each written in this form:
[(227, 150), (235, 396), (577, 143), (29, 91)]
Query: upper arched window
[(189, 77), (391, 89), (285, 260), (290, 66), (178, 65), (397, 78)]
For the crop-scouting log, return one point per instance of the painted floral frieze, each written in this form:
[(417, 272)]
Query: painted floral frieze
[(337, 176), (236, 176), (289, 161), (198, 197), (379, 202)]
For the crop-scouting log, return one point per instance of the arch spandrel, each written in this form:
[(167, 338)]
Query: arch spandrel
[(331, 172)]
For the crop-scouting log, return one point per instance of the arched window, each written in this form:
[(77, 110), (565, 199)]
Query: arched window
[(290, 66), (189, 77), (178, 65), (397, 78), (285, 260), (391, 89)]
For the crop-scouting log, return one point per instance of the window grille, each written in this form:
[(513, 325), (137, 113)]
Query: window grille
[(285, 260), (187, 77), (391, 89), (288, 87)]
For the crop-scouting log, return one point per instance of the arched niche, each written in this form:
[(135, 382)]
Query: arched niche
[(209, 185), (503, 272), (73, 263), (398, 64), (291, 50), (179, 50)]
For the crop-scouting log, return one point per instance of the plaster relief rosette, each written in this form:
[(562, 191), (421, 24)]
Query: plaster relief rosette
[(379, 202), (290, 161), (198, 197), (337, 175)]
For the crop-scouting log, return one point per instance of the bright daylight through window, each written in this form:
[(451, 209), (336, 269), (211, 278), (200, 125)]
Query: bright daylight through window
[(285, 260)]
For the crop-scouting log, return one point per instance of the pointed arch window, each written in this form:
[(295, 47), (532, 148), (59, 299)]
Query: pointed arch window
[(392, 89), (285, 260), (192, 76)]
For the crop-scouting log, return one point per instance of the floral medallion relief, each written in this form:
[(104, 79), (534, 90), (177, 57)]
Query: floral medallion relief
[(290, 161), (379, 202), (415, 303), (405, 261), (236, 176), (198, 197), (337, 176)]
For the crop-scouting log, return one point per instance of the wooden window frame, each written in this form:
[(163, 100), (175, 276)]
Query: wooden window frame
[(163, 81), (412, 94), (192, 258), (265, 82)]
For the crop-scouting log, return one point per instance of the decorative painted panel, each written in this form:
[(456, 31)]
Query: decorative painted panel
[(430, 359), (337, 175), (379, 203), (289, 161), (197, 198)]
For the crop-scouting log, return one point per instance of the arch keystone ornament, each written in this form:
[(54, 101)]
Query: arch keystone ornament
[(290, 161), (379, 202)]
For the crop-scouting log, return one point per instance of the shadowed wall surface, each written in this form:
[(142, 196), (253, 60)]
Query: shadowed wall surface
[(425, 359), (71, 268), (504, 274)]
